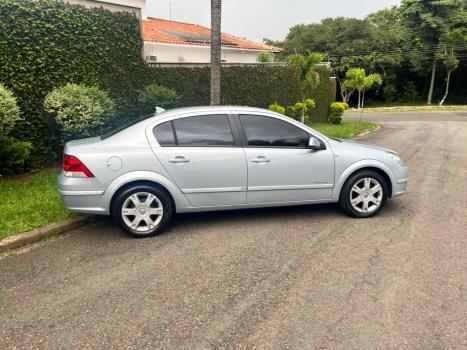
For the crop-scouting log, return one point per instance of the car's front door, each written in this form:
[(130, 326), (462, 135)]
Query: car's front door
[(281, 166), (203, 158)]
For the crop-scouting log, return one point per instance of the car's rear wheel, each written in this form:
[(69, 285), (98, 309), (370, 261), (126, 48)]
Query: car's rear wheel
[(142, 210), (364, 194)]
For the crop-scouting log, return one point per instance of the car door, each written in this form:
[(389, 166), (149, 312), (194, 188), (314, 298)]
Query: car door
[(281, 166), (204, 159)]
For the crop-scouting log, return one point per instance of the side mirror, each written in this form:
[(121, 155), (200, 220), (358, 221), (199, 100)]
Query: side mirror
[(314, 143)]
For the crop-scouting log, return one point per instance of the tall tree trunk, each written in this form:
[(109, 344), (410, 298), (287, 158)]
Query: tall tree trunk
[(216, 6), (432, 83), (448, 78)]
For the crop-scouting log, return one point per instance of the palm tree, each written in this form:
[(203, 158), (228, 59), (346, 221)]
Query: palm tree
[(305, 70), (216, 52)]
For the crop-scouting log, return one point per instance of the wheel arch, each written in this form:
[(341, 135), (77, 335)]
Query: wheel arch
[(144, 178), (376, 166)]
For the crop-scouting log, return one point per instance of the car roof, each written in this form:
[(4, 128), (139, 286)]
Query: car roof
[(197, 109)]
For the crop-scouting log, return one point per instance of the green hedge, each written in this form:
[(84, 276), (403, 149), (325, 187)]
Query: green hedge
[(49, 43)]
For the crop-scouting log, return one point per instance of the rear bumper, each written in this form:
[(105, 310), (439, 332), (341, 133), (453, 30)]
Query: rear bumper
[(400, 187), (80, 200)]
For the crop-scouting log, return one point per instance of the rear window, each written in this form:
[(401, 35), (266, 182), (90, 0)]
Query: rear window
[(164, 134), (125, 126)]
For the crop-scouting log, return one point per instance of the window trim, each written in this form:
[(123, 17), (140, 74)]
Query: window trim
[(245, 140), (235, 144)]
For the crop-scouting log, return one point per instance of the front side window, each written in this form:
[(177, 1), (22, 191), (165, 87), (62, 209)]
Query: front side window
[(210, 130), (271, 132)]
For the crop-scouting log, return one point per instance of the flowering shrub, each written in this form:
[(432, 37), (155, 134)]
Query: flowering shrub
[(337, 109), (9, 110), (79, 111)]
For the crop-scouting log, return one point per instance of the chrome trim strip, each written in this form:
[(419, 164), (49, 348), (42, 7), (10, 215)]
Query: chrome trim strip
[(80, 193), (289, 187), (213, 190), (401, 181)]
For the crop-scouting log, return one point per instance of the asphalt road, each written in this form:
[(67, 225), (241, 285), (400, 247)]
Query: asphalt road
[(300, 278)]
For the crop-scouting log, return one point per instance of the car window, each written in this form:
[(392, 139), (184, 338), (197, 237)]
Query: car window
[(264, 131), (210, 130), (164, 134)]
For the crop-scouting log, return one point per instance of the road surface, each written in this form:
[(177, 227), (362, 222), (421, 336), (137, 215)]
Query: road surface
[(298, 277)]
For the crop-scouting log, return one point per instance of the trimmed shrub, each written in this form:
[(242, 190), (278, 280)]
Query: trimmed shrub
[(337, 110), (291, 112), (153, 96), (79, 111), (276, 108), (9, 111), (14, 155)]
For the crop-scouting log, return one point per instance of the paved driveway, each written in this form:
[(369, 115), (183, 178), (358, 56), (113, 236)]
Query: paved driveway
[(303, 278)]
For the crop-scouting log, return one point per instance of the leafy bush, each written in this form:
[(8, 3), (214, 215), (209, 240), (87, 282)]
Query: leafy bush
[(13, 155), (337, 110), (9, 110), (79, 111), (265, 57), (309, 105), (276, 108), (389, 93), (291, 112), (154, 95), (410, 93)]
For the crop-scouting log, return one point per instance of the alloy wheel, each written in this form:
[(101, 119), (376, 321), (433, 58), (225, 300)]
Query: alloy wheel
[(142, 212), (366, 195)]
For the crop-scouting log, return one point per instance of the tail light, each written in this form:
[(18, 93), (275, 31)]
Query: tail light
[(73, 167)]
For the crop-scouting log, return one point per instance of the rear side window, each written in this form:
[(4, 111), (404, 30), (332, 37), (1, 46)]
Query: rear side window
[(271, 132), (164, 134), (212, 130)]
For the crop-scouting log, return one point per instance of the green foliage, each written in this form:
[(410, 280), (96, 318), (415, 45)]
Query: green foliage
[(153, 96), (410, 92), (9, 111), (337, 110), (389, 93), (277, 108), (358, 80), (79, 111), (14, 155), (265, 57), (291, 112), (49, 43), (30, 203)]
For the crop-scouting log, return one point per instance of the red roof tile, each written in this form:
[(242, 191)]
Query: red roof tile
[(163, 31)]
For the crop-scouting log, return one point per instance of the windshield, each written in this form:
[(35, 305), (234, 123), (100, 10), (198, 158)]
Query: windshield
[(124, 126)]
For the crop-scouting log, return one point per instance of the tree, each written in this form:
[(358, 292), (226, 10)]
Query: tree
[(304, 69), (216, 12), (451, 62), (427, 22), (358, 80)]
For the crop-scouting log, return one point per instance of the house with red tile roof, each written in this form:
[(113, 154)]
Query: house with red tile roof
[(171, 42)]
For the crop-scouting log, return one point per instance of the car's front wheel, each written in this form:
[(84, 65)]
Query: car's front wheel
[(364, 194), (142, 210)]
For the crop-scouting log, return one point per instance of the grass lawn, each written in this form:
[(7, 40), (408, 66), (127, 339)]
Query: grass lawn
[(347, 129), (30, 201), (414, 108)]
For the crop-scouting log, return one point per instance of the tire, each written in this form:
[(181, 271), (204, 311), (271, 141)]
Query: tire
[(360, 197), (142, 211)]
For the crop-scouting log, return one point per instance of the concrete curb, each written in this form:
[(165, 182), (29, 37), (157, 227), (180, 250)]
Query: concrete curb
[(367, 132), (22, 239)]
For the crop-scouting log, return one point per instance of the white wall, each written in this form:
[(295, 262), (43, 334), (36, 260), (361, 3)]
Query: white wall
[(132, 3), (172, 53), (136, 6)]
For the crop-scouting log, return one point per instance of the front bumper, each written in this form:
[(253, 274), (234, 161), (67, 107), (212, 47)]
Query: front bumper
[(400, 187), (82, 195)]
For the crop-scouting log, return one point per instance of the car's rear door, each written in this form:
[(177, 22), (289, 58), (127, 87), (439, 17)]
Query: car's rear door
[(204, 158), (281, 166)]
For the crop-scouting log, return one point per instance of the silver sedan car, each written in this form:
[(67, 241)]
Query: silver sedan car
[(218, 158)]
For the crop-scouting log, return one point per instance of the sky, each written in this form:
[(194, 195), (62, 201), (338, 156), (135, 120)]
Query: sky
[(258, 19)]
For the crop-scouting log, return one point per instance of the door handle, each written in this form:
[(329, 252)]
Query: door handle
[(179, 159), (261, 159)]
